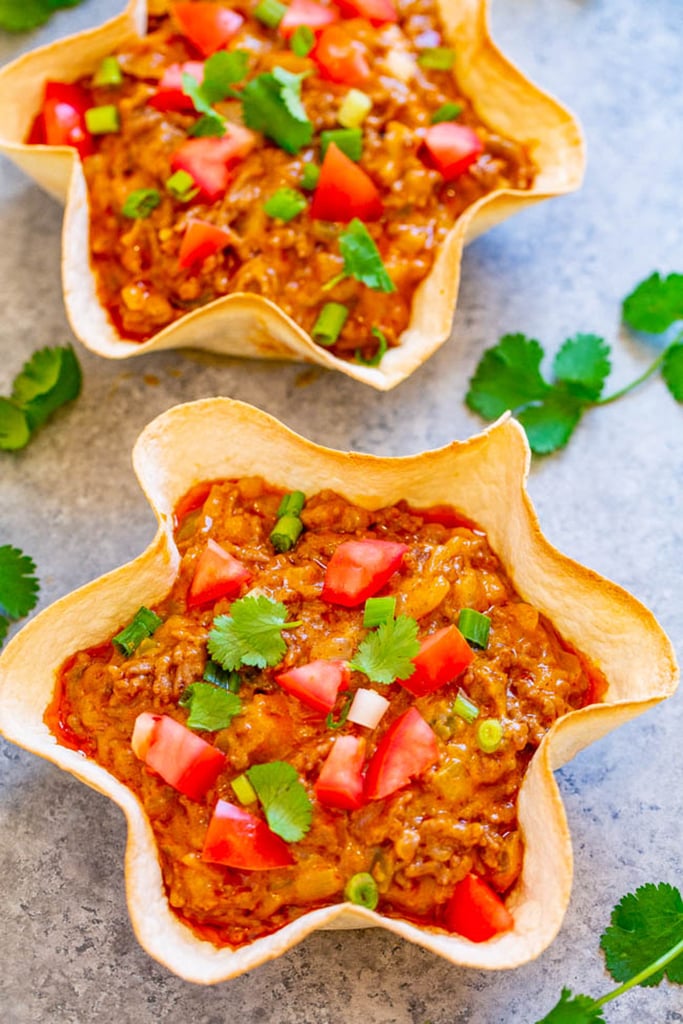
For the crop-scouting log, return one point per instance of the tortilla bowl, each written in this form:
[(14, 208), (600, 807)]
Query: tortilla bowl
[(484, 478), (246, 324)]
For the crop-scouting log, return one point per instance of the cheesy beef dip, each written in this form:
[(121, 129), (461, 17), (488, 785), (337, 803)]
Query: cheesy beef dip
[(314, 154), (331, 704)]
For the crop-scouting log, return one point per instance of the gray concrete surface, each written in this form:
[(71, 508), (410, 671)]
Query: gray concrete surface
[(613, 500)]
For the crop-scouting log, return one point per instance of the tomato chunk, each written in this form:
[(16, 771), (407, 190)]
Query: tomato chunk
[(191, 501), (377, 12), (200, 241), (309, 13), (63, 117), (452, 148), (217, 574), (340, 57), (406, 750), (208, 160), (344, 190), (340, 783), (208, 25), (476, 911), (359, 568), (316, 684), (241, 840), (443, 656), (182, 759), (169, 94)]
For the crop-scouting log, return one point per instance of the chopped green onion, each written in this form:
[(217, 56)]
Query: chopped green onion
[(378, 610), (270, 12), (329, 324), (103, 120), (349, 140), (108, 73), (331, 723), (333, 282), (292, 504), (143, 624), (243, 790), (302, 41), (490, 735), (474, 627), (379, 354), (219, 676), (362, 890), (447, 112), (140, 203), (465, 708), (355, 107), (309, 177), (182, 186), (285, 204), (286, 532), (437, 58)]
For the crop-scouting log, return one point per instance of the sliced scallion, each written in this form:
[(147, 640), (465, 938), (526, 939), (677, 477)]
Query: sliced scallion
[(219, 676), (378, 610), (329, 324), (140, 203), (108, 73), (375, 359), (490, 735), (355, 107), (474, 627), (447, 112), (243, 790), (362, 890), (437, 58), (182, 186), (349, 140), (310, 176), (286, 532), (337, 723), (292, 504), (285, 204), (270, 12), (465, 708), (302, 41), (103, 120), (144, 623)]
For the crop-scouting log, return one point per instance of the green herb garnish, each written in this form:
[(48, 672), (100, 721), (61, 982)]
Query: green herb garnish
[(474, 626), (655, 304), (272, 105), (211, 707), (22, 16), (447, 112), (378, 610), (286, 803), (251, 634), (385, 654), (182, 186), (437, 58), (18, 586), (243, 790), (103, 120), (362, 259), (465, 708), (141, 203), (108, 74), (336, 723), (382, 348), (222, 70), (270, 12), (229, 680), (349, 140), (329, 323), (310, 176), (362, 890), (489, 735), (51, 378), (302, 41), (144, 624), (285, 204)]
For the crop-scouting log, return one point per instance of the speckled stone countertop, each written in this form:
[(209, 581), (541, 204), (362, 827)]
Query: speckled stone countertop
[(613, 499)]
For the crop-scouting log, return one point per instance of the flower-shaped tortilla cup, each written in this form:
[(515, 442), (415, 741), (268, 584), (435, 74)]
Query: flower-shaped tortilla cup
[(484, 478), (244, 324)]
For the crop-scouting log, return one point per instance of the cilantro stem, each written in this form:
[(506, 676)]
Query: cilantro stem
[(643, 975), (634, 384)]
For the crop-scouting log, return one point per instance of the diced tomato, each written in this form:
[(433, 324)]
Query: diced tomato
[(442, 657), (191, 501), (309, 13), (208, 25), (316, 684), (200, 241), (63, 117), (208, 160), (452, 148), (169, 94), (241, 840), (377, 12), (406, 750), (340, 783), (340, 57), (182, 759), (217, 574), (359, 568), (344, 190), (476, 911)]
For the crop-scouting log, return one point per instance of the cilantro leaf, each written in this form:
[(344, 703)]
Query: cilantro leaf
[(51, 378), (583, 366), (20, 17), (211, 707), (672, 369), (645, 925), (272, 105), (507, 377), (18, 583), (573, 1009), (655, 304), (549, 424), (14, 429), (4, 628), (385, 654), (209, 126), (251, 634), (362, 259), (286, 803), (221, 71)]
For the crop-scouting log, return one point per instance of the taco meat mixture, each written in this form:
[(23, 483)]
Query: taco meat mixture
[(331, 703), (314, 154)]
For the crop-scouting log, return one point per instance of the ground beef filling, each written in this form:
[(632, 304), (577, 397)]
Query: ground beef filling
[(458, 817), (136, 261)]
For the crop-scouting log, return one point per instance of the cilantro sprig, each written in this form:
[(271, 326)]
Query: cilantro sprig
[(50, 379), (211, 707), (222, 70), (251, 634), (284, 799), (642, 944), (29, 14), (509, 374), (385, 653), (18, 587), (271, 104)]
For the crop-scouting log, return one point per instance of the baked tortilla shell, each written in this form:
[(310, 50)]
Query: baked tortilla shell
[(244, 324), (484, 477)]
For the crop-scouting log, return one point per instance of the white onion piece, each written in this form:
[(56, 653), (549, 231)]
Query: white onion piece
[(367, 708)]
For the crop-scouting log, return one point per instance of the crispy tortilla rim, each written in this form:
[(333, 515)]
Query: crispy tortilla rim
[(244, 324), (484, 478)]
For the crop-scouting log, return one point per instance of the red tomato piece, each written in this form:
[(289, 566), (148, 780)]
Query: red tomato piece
[(200, 241), (340, 783), (309, 13), (359, 568), (340, 57), (63, 117), (407, 749), (208, 25), (451, 148), (182, 759), (190, 502), (169, 94), (208, 161), (377, 12), (344, 190), (476, 911), (241, 840), (442, 657), (217, 574), (316, 684)]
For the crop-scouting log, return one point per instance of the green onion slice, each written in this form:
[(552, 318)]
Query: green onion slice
[(302, 41), (349, 140), (285, 204), (108, 73), (474, 627), (143, 624), (362, 890), (379, 354), (437, 58), (447, 112), (270, 12), (354, 108), (292, 504), (243, 790), (378, 610), (310, 176), (465, 708), (490, 735), (182, 186), (103, 120), (333, 723), (286, 532), (140, 203), (329, 324), (219, 676)]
